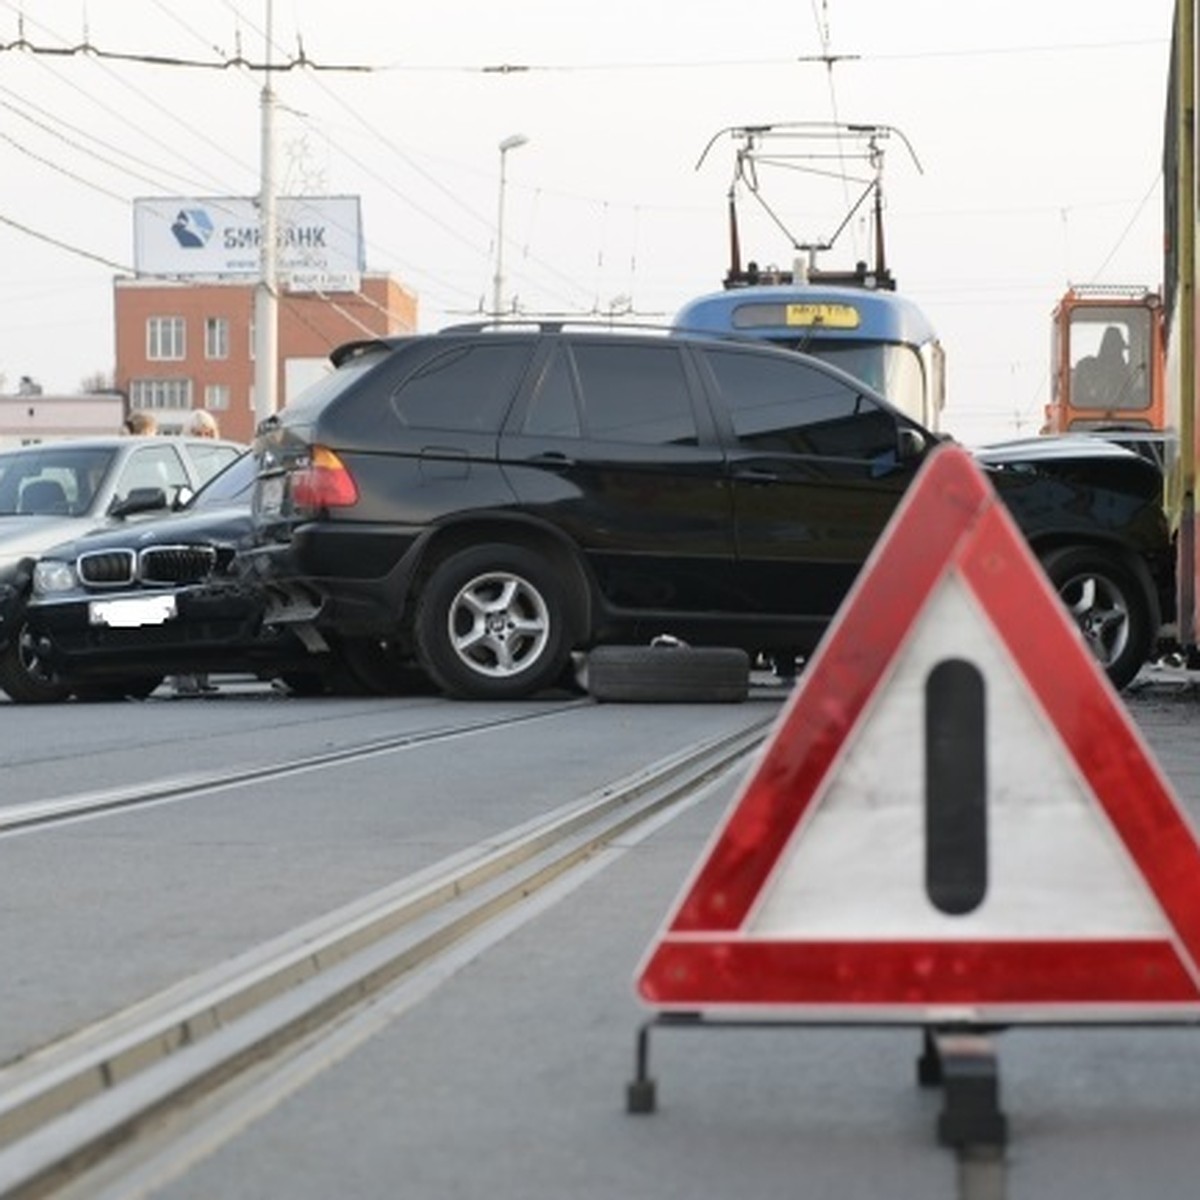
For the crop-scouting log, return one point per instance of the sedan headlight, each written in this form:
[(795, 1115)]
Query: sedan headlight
[(52, 576)]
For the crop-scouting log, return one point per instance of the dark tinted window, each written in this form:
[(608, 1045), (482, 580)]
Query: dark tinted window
[(553, 412), (635, 394), (782, 407), (464, 389)]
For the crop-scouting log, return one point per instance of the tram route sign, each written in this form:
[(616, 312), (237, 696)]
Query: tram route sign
[(954, 819)]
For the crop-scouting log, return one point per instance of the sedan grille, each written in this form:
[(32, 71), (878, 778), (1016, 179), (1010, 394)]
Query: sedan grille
[(176, 564), (161, 565), (107, 568)]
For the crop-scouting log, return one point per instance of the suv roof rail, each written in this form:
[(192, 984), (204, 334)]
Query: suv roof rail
[(598, 325), (555, 325)]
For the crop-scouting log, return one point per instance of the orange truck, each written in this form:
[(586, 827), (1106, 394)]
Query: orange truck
[(1106, 358)]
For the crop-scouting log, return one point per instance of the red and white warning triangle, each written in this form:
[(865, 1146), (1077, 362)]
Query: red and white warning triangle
[(816, 897)]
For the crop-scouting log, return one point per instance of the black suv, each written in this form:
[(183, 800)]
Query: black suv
[(481, 502)]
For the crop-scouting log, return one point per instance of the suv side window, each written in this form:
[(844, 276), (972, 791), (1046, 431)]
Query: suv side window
[(554, 410), (467, 389), (780, 407), (636, 394)]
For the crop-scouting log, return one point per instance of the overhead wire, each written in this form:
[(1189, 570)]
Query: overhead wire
[(373, 130), (78, 144), (243, 66)]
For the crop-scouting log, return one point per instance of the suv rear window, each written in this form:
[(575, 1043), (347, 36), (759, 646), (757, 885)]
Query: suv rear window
[(314, 397), (467, 389)]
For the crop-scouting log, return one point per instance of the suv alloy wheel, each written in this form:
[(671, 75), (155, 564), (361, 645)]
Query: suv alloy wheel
[(1105, 601), (490, 624)]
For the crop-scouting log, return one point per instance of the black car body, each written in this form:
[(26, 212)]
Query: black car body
[(55, 490), (114, 611), (487, 501)]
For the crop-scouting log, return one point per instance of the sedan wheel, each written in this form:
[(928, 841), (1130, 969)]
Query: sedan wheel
[(25, 676)]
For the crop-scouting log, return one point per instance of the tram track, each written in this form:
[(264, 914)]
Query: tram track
[(63, 809), (67, 1106)]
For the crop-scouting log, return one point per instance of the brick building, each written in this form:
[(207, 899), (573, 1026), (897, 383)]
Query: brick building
[(182, 346)]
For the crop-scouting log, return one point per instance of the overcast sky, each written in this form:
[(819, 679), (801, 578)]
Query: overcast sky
[(1027, 155)]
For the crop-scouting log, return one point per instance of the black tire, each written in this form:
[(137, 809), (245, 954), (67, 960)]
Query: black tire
[(375, 667), (669, 674), (490, 624), (24, 676), (1108, 604)]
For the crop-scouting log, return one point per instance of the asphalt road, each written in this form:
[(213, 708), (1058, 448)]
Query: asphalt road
[(505, 1077)]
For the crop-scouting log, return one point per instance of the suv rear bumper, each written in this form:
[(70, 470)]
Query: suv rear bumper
[(354, 582)]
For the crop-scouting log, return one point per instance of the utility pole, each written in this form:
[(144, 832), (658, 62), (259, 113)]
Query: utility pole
[(513, 142), (266, 295)]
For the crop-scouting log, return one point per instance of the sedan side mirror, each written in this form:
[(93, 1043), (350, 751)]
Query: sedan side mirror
[(138, 500)]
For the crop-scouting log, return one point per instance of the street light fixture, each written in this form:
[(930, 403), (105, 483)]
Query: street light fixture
[(510, 143)]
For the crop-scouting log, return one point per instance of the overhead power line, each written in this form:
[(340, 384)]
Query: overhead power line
[(53, 241), (86, 48)]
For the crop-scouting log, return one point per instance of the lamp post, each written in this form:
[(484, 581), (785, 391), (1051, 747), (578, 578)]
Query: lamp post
[(266, 296), (509, 143)]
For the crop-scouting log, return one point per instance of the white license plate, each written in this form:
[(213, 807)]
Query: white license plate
[(130, 612)]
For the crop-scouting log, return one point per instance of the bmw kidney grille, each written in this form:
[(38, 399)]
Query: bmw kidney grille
[(106, 568), (154, 565)]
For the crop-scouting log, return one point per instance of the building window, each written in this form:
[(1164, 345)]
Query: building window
[(165, 338), (216, 337), (160, 393), (216, 396)]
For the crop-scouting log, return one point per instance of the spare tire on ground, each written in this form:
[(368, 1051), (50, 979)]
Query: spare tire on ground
[(669, 673)]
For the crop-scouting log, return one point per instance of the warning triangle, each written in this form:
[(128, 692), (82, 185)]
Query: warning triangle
[(954, 818)]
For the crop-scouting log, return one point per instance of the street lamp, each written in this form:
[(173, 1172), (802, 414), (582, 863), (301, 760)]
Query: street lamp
[(509, 143)]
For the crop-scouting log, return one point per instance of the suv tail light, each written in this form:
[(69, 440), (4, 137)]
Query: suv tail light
[(325, 482)]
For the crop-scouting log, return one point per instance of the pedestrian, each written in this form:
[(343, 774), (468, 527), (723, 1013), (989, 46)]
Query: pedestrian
[(203, 424), (140, 423)]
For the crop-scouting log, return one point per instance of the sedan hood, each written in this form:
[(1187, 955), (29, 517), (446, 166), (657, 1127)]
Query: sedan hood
[(26, 536), (1051, 448), (215, 525), (1082, 460)]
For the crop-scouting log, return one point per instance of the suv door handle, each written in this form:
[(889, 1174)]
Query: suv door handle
[(755, 475), (554, 458)]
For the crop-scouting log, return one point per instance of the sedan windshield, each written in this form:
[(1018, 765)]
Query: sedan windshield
[(52, 480)]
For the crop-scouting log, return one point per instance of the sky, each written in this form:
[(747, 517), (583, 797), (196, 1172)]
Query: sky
[(1025, 155)]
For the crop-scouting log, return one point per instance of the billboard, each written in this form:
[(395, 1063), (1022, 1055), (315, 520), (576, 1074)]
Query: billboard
[(319, 239)]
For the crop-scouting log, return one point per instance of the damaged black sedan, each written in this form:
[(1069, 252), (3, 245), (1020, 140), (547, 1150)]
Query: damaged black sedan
[(112, 613)]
